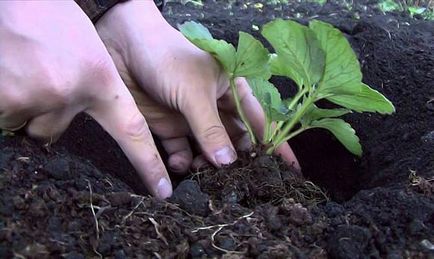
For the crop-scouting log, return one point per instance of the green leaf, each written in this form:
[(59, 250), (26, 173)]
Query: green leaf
[(342, 79), (364, 99), (315, 113), (341, 64), (299, 54), (194, 30), (343, 132), (251, 58), (200, 36), (279, 68), (413, 10), (389, 6), (269, 98)]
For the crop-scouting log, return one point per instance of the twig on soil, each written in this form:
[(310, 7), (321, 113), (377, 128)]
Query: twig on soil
[(223, 225), (93, 210), (424, 185), (132, 211), (156, 226), (219, 248), (94, 217), (19, 256), (108, 181), (219, 228), (101, 210)]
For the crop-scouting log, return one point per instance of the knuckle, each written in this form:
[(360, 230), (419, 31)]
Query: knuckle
[(11, 104), (214, 133), (154, 167), (56, 85), (136, 127), (104, 70)]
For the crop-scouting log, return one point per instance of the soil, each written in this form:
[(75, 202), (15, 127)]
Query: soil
[(80, 197)]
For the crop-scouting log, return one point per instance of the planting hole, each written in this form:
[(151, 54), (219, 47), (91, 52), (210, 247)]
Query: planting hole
[(324, 160)]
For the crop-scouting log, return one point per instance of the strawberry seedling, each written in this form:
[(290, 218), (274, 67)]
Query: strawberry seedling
[(317, 58)]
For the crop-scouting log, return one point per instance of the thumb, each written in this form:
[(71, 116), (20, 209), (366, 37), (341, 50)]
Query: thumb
[(203, 118), (118, 114)]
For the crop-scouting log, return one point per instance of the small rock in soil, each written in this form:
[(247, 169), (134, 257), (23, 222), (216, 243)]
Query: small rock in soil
[(58, 168), (190, 198), (231, 195), (274, 223), (428, 138), (120, 254), (227, 243), (349, 242), (105, 243), (416, 226), (430, 105), (333, 209), (299, 215), (265, 162), (196, 250)]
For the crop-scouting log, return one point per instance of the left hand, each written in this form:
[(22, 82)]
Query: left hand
[(179, 88)]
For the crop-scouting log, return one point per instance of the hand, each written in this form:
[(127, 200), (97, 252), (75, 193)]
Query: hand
[(178, 87), (53, 65)]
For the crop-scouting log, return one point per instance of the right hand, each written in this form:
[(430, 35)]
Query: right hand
[(52, 66), (179, 88)]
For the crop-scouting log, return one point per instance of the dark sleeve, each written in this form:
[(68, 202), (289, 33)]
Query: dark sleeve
[(96, 8)]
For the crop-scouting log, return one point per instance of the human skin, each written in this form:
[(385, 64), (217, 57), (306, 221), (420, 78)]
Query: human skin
[(179, 88), (53, 65)]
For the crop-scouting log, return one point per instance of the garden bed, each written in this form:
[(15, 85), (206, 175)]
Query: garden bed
[(80, 197)]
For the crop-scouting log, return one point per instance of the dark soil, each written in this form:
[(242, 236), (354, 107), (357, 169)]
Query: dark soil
[(76, 199)]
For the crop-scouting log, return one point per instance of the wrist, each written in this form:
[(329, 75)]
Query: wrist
[(97, 8), (133, 23)]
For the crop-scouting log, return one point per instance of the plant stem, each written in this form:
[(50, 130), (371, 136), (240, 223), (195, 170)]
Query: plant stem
[(240, 110), (291, 106), (273, 147), (280, 138), (296, 98), (293, 134), (276, 129), (267, 129)]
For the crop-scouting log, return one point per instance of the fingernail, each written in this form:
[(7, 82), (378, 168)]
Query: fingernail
[(164, 188), (225, 156)]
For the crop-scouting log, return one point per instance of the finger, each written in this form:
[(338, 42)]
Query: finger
[(203, 118), (170, 127), (119, 116), (8, 126), (237, 131), (256, 117), (50, 126), (13, 116), (285, 151), (14, 121), (179, 152)]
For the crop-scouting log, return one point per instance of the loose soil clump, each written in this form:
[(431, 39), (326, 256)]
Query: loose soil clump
[(80, 198)]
